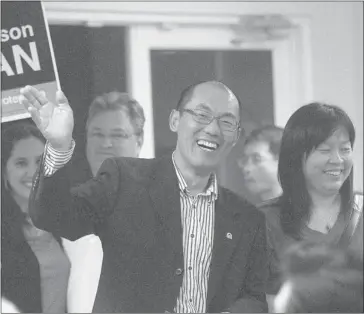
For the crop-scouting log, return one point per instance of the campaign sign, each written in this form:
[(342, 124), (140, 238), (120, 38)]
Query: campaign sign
[(27, 56)]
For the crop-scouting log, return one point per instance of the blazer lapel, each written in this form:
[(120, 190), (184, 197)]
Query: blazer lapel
[(165, 196), (223, 246)]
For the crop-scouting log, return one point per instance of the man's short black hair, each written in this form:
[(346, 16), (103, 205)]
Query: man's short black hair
[(187, 94)]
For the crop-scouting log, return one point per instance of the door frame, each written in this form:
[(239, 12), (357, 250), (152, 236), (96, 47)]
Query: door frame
[(291, 64)]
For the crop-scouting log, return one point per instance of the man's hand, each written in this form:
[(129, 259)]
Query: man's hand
[(55, 121)]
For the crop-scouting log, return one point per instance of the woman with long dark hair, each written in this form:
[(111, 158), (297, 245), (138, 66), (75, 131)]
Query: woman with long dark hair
[(34, 267), (315, 170)]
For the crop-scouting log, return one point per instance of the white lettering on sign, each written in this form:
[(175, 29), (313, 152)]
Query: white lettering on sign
[(21, 56), (5, 66), (9, 100), (15, 33)]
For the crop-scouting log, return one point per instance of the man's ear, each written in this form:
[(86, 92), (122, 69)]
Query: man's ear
[(174, 120)]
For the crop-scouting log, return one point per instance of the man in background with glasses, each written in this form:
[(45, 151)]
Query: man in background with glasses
[(259, 163), (114, 128), (173, 239)]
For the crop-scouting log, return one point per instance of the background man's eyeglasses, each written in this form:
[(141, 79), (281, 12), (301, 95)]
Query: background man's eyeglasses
[(118, 138)]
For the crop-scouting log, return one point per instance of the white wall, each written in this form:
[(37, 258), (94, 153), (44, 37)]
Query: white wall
[(337, 45)]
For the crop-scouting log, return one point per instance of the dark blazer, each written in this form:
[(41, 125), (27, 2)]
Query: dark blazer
[(20, 274), (133, 205)]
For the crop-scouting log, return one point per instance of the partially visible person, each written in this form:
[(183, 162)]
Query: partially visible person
[(320, 278), (34, 267), (114, 128), (315, 170), (259, 162)]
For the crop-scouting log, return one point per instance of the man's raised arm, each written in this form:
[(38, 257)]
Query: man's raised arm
[(52, 205)]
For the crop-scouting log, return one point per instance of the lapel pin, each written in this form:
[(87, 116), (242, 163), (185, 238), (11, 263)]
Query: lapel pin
[(229, 235)]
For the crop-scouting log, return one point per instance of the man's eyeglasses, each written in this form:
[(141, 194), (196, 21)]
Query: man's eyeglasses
[(255, 159), (228, 124), (116, 138)]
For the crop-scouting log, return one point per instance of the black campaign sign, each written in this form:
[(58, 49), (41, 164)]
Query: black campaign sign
[(26, 55)]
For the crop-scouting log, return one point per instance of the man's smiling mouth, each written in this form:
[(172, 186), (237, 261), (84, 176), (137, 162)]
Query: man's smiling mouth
[(207, 145)]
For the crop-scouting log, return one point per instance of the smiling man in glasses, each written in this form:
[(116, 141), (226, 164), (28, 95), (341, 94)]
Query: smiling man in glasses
[(173, 239), (207, 121)]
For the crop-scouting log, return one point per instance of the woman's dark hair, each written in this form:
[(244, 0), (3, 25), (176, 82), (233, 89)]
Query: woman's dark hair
[(10, 135), (306, 129), (324, 279)]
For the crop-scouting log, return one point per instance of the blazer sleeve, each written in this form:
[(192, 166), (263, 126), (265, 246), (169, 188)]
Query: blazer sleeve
[(253, 300), (73, 213)]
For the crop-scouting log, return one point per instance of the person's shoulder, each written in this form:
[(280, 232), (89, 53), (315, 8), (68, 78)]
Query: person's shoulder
[(138, 167), (271, 210), (238, 204), (141, 168), (132, 161)]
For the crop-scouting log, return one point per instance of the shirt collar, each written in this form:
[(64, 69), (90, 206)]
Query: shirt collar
[(212, 187)]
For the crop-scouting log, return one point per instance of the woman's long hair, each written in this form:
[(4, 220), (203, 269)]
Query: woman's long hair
[(10, 135), (306, 129)]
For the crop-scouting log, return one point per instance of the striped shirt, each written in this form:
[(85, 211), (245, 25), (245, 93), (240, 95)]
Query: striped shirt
[(197, 216), (54, 159)]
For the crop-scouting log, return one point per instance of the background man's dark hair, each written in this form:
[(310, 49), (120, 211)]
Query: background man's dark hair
[(270, 134)]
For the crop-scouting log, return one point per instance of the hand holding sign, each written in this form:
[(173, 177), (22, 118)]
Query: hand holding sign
[(55, 121)]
